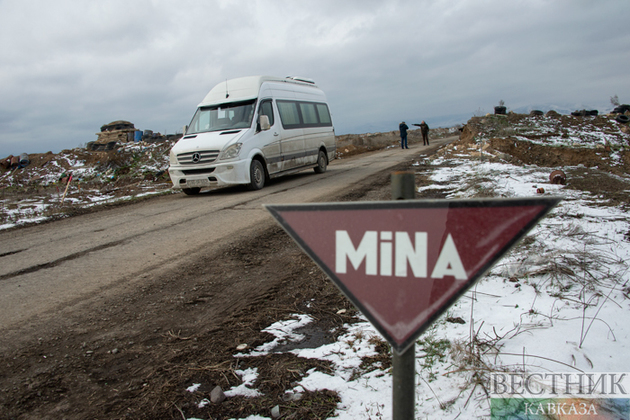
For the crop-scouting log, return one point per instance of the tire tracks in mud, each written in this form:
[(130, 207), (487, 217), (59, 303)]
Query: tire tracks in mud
[(58, 261)]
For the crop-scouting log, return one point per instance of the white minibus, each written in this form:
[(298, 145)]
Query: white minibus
[(251, 129)]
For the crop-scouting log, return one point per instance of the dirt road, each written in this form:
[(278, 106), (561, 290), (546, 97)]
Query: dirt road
[(94, 308)]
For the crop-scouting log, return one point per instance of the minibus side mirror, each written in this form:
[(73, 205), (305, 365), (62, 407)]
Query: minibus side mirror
[(184, 129), (263, 120)]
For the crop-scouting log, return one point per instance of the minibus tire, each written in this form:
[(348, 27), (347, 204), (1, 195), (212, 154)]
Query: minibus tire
[(256, 175), (322, 163), (191, 191)]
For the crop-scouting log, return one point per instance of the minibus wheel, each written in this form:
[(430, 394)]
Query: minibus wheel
[(191, 191), (256, 175), (322, 163)]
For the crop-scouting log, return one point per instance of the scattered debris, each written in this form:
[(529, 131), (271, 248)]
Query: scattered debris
[(217, 396), (24, 161), (455, 320), (558, 177), (501, 109), (585, 113), (33, 193), (15, 162), (621, 109), (6, 162), (66, 190)]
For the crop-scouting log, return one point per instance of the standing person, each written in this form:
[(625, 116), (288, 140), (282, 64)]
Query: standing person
[(403, 135), (424, 129)]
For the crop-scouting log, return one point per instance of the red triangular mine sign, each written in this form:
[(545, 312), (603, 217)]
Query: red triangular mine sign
[(403, 263)]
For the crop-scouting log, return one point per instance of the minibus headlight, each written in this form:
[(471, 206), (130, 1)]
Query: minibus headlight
[(231, 152), (172, 158)]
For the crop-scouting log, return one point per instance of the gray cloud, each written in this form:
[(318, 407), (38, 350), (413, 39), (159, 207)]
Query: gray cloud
[(70, 66)]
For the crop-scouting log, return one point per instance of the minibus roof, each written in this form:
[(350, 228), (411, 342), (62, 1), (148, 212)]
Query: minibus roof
[(246, 88)]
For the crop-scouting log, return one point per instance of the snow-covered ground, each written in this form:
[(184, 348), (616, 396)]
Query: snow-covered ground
[(558, 302)]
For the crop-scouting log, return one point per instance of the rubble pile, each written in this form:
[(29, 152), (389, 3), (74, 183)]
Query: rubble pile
[(553, 140), (51, 185)]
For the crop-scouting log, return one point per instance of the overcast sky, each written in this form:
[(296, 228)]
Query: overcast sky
[(68, 67)]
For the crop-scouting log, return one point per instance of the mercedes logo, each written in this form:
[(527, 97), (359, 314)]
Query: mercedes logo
[(196, 157)]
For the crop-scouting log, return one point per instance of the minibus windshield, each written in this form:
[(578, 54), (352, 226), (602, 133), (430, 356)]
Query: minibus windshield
[(223, 117)]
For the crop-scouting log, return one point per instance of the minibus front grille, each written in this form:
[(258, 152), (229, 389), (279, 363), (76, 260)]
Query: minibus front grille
[(198, 171), (197, 157)]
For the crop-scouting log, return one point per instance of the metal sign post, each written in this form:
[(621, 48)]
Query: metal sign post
[(404, 364), (404, 384)]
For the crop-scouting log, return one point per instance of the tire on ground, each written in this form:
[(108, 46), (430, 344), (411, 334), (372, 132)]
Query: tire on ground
[(322, 163), (256, 175)]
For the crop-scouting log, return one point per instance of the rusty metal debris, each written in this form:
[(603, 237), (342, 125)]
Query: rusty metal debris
[(15, 162), (6, 162), (558, 177)]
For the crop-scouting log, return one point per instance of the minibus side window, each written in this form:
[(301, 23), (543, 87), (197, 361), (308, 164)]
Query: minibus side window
[(289, 114), (299, 114), (324, 115), (309, 115)]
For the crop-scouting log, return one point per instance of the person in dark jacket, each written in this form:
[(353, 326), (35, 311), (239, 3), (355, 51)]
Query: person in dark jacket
[(424, 129), (403, 135)]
